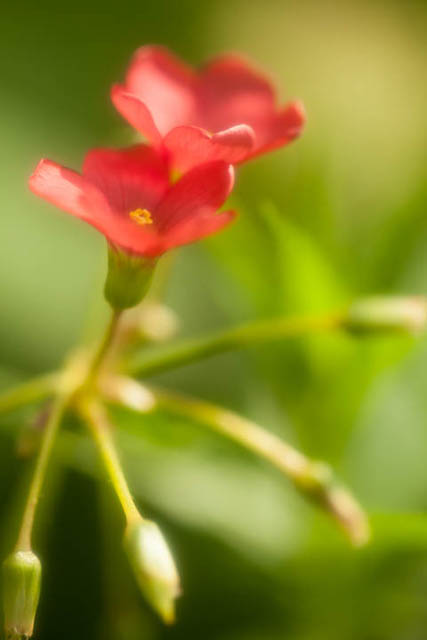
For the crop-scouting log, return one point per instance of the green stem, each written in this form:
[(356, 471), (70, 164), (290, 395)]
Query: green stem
[(96, 419), (175, 355), (191, 350), (313, 479), (56, 413), (104, 347), (32, 391), (66, 392)]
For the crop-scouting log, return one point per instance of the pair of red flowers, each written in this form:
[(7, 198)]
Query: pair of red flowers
[(197, 123)]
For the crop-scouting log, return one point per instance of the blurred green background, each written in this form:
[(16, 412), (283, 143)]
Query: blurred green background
[(339, 214)]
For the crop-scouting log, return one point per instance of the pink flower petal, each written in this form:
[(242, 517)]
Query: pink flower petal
[(232, 74), (165, 85), (116, 182), (200, 191), (71, 192), (132, 178), (292, 119), (135, 112), (191, 146), (198, 227), (281, 128), (134, 239), (231, 92)]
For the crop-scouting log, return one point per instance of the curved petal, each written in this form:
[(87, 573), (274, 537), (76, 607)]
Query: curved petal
[(232, 73), (202, 190), (232, 92), (164, 84), (69, 191), (75, 194), (197, 228), (131, 178), (192, 146), (280, 129), (135, 112)]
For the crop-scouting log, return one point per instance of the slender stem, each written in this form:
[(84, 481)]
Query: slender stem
[(49, 433), (28, 392), (104, 347), (191, 350), (66, 387), (313, 479), (96, 418), (71, 381), (174, 355)]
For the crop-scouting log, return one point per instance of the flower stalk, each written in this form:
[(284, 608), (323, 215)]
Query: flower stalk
[(104, 348), (95, 416), (25, 533), (145, 546), (176, 354), (27, 392), (314, 480), (191, 350), (22, 569)]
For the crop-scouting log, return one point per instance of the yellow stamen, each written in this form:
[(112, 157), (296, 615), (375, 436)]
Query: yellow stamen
[(141, 216)]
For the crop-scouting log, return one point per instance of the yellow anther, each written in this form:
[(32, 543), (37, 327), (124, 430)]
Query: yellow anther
[(141, 216)]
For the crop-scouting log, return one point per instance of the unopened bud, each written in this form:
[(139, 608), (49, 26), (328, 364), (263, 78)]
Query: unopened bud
[(157, 322), (349, 514), (150, 322), (153, 566), (387, 314), (317, 481), (21, 591)]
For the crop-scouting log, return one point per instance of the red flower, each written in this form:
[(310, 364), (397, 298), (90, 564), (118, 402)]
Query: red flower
[(127, 195), (227, 111)]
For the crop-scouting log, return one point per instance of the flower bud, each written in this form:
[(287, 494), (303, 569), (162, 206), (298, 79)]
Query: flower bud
[(156, 322), (382, 313), (128, 279), (151, 321), (153, 566), (21, 591), (349, 514)]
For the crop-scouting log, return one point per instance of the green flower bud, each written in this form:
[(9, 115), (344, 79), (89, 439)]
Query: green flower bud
[(21, 591), (382, 313), (128, 279), (153, 566)]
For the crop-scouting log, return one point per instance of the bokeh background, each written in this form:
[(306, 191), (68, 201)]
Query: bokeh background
[(339, 214)]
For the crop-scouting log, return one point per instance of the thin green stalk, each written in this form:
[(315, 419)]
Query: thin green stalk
[(66, 387), (191, 350), (104, 348), (30, 391), (97, 420), (56, 413), (313, 479), (174, 355)]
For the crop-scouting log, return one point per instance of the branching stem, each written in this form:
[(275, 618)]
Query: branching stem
[(191, 350)]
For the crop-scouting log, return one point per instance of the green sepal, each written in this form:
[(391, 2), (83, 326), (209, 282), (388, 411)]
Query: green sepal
[(21, 592), (128, 279)]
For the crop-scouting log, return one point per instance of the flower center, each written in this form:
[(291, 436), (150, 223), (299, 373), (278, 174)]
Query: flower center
[(141, 216)]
